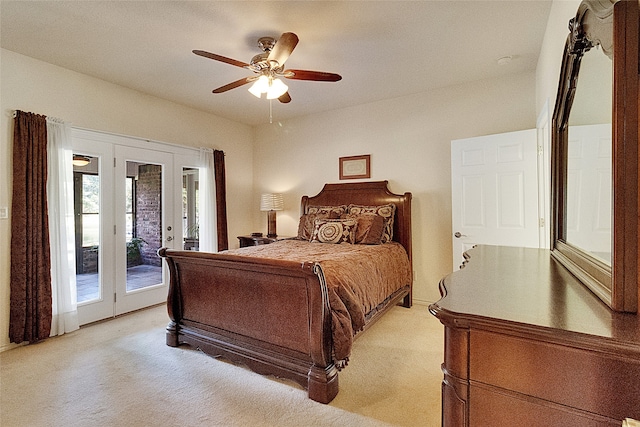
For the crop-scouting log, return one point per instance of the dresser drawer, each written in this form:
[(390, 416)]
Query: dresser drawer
[(495, 407), (595, 381)]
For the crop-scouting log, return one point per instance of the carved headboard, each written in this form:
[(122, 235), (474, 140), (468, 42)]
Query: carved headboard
[(372, 193)]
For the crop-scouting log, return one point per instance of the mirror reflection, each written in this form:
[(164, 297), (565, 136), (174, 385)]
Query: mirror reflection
[(589, 163)]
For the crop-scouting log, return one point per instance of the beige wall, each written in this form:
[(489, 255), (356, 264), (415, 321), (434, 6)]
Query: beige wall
[(550, 59), (409, 142), (42, 88)]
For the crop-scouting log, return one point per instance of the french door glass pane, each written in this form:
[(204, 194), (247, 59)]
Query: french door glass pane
[(87, 229), (144, 237), (129, 194), (190, 211), (90, 229), (90, 210)]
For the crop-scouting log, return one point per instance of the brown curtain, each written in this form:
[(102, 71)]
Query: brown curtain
[(221, 200), (31, 309)]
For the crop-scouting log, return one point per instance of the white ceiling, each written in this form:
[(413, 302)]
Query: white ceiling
[(382, 49)]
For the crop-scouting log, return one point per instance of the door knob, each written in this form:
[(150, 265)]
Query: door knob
[(458, 235)]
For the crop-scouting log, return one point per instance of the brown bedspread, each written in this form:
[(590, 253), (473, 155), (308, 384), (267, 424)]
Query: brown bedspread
[(358, 277)]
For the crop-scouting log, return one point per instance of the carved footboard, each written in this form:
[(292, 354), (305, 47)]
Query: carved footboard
[(239, 308)]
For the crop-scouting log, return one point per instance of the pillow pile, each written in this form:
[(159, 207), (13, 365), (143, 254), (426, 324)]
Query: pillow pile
[(367, 225)]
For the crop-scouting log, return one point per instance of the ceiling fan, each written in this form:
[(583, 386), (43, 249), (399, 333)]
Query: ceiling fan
[(269, 66)]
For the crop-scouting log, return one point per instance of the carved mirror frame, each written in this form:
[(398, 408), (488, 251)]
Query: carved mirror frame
[(614, 26)]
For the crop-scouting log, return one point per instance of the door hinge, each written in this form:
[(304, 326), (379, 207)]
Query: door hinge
[(114, 230), (541, 222), (115, 299), (540, 150), (114, 162)]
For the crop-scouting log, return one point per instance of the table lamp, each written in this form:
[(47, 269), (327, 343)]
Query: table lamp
[(271, 203)]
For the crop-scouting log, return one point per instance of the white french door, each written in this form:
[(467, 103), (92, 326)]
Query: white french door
[(127, 206), (94, 223), (143, 224)]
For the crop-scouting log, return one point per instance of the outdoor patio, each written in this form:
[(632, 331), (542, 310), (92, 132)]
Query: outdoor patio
[(138, 277)]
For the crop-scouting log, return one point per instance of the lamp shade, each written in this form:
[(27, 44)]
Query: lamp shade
[(271, 202)]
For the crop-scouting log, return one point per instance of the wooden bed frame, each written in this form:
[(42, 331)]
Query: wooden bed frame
[(241, 307)]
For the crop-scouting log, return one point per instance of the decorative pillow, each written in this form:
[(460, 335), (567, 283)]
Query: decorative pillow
[(385, 211), (334, 230), (369, 229), (306, 224), (307, 221)]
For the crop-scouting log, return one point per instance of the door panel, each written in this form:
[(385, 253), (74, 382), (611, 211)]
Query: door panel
[(144, 224), (494, 184), (94, 257), (510, 200), (473, 201), (589, 189)]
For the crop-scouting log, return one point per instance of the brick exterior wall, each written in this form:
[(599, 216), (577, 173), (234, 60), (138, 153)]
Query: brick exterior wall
[(149, 212), (89, 260)]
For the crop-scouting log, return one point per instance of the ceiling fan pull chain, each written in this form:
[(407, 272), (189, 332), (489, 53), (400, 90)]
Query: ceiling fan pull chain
[(270, 111)]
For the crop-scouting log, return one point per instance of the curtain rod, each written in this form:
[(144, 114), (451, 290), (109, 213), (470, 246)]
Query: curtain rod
[(14, 113), (170, 144)]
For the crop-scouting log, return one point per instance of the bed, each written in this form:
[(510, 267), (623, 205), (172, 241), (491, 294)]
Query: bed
[(288, 309)]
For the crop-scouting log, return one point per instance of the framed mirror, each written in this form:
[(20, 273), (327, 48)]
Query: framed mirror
[(595, 152)]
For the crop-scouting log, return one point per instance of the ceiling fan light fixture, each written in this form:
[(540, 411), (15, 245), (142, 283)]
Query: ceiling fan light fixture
[(276, 89), (260, 86)]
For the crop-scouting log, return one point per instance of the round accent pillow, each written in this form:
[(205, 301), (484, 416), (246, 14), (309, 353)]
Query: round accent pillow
[(334, 230)]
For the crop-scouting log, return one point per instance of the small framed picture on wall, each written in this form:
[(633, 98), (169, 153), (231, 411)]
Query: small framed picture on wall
[(355, 167)]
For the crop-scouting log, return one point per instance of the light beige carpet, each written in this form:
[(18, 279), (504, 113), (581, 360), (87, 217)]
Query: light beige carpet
[(121, 373)]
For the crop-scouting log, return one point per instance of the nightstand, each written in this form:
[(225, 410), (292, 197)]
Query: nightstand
[(258, 240)]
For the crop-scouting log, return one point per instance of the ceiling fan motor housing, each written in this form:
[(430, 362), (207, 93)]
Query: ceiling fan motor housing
[(266, 43), (260, 62)]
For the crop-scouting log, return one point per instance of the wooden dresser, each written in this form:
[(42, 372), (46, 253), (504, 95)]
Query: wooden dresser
[(526, 344)]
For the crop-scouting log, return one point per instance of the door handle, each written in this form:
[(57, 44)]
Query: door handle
[(458, 235)]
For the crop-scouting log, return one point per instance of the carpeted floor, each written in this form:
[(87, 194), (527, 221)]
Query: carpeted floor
[(121, 373)]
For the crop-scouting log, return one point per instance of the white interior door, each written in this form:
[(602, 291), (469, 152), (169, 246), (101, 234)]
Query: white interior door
[(589, 189), (494, 184)]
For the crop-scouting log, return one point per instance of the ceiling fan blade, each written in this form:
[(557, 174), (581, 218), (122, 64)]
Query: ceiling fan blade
[(319, 76), (233, 85), (285, 99), (221, 58), (282, 49)]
